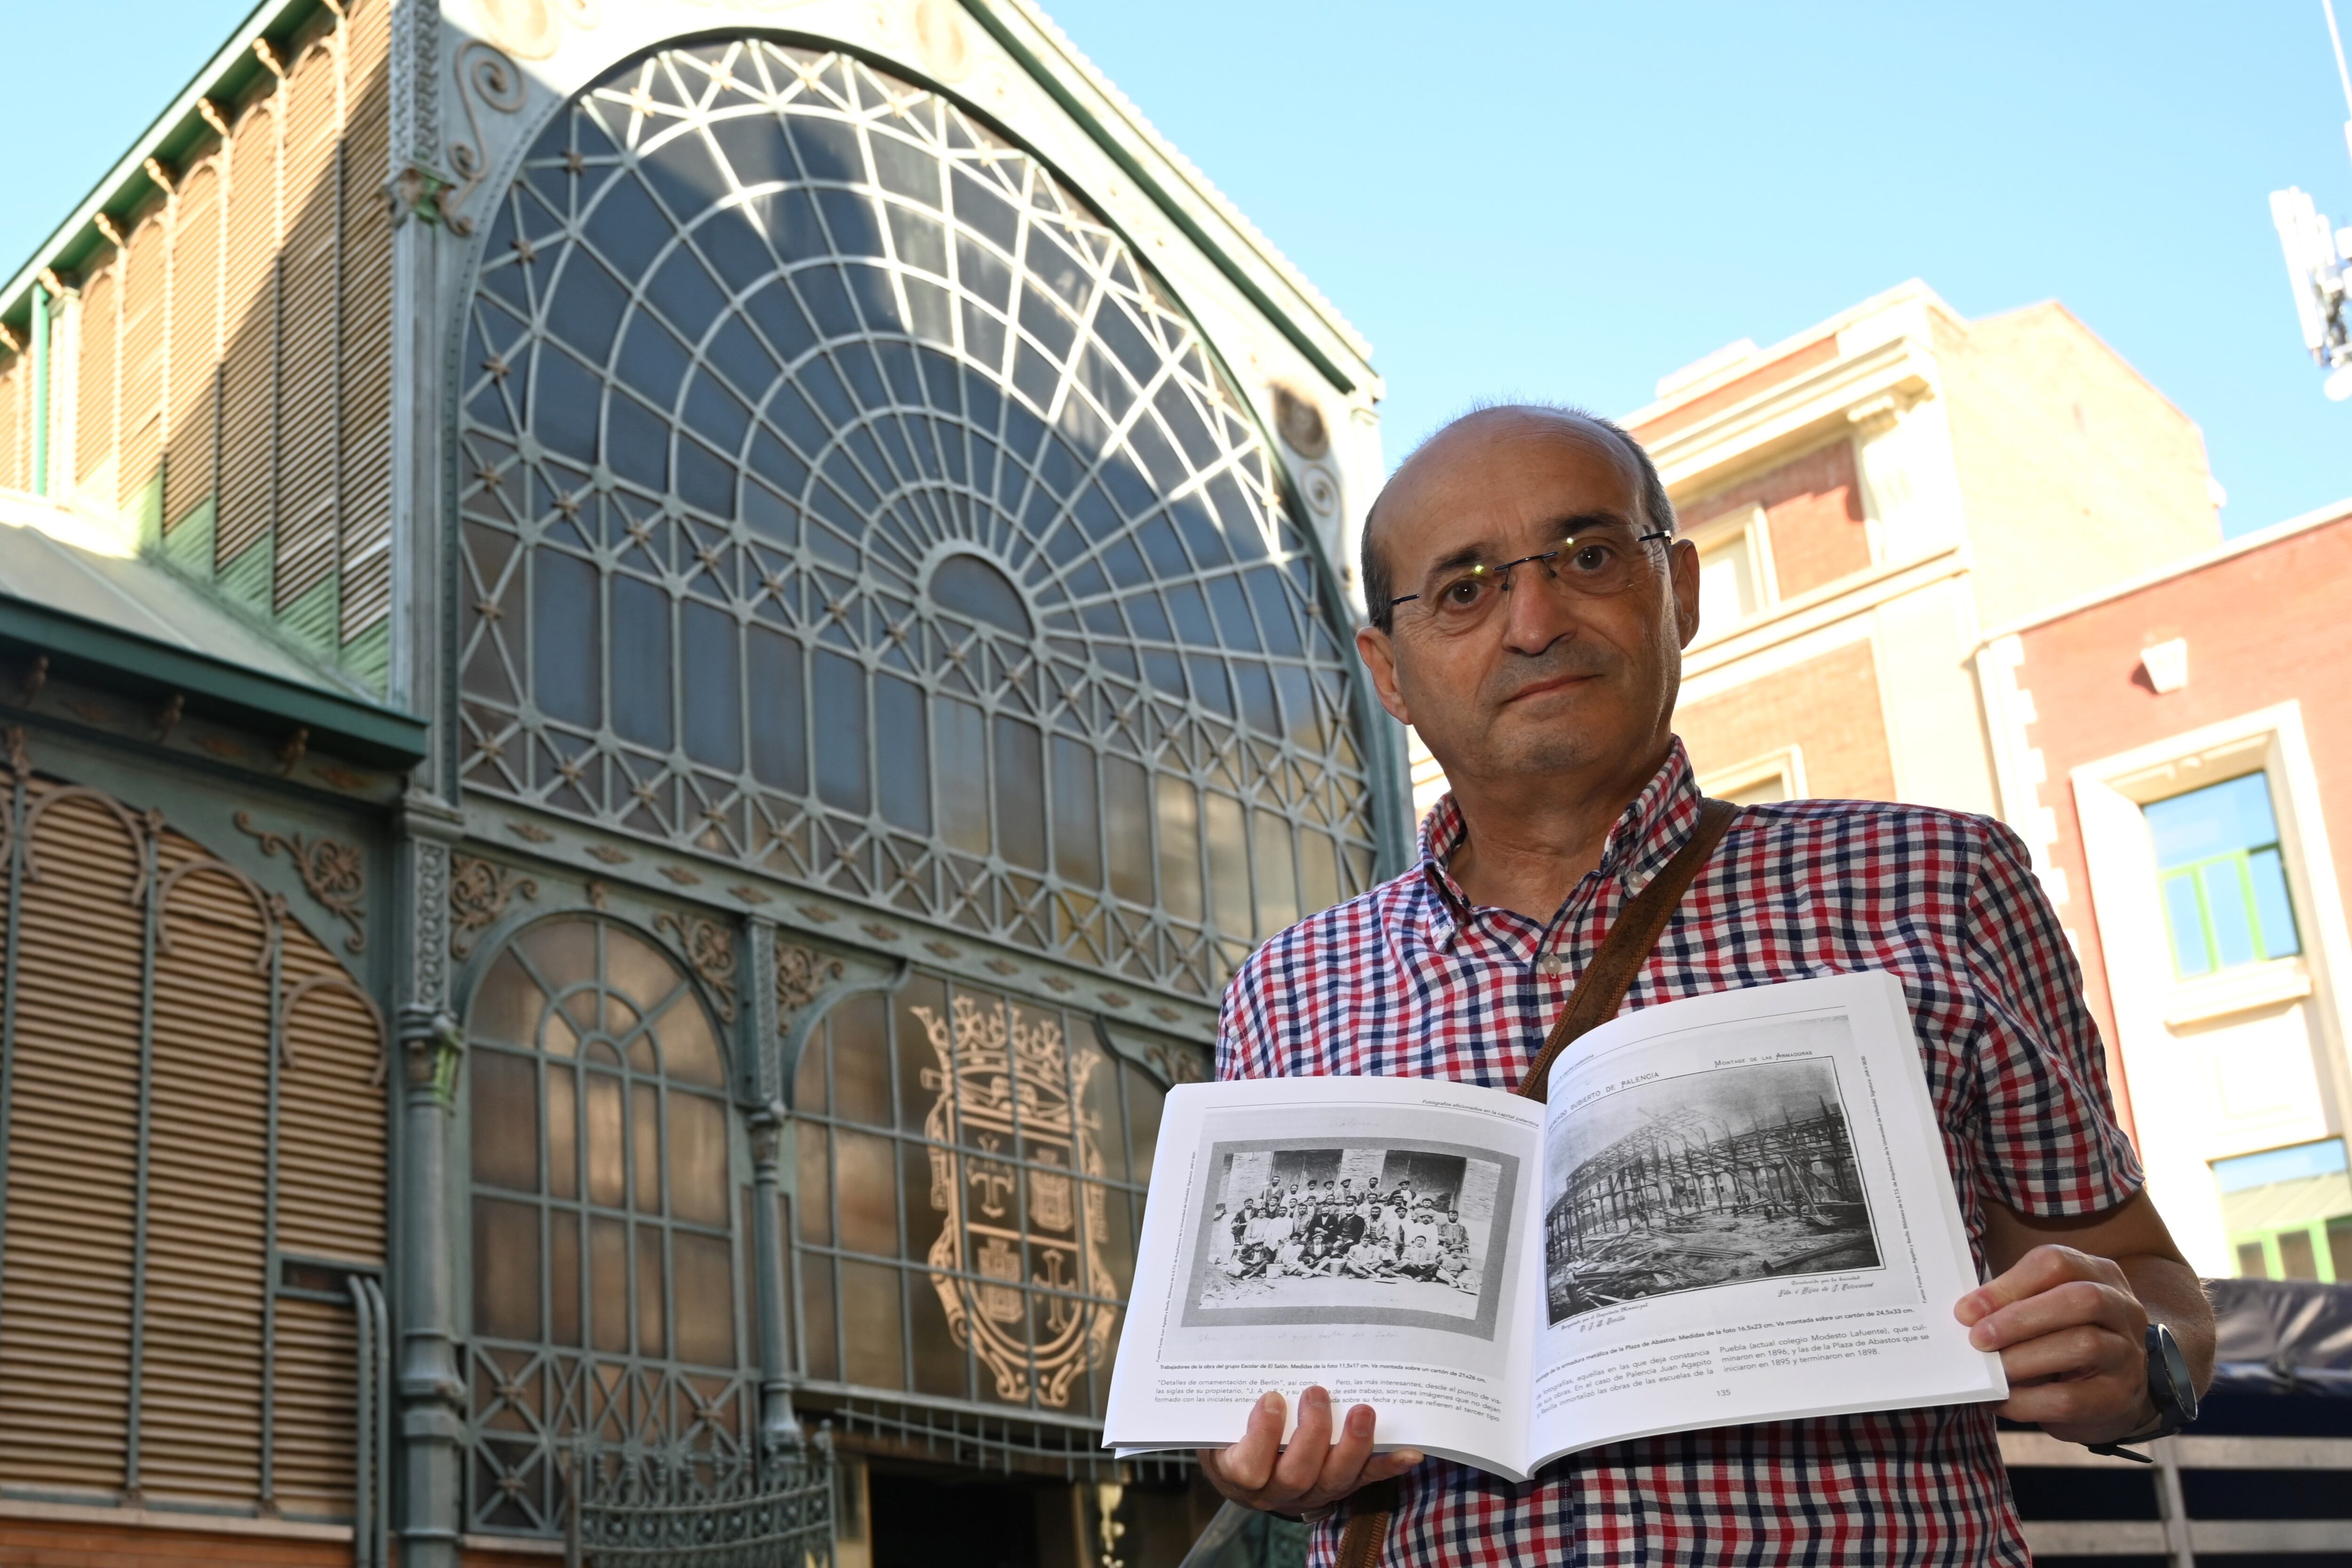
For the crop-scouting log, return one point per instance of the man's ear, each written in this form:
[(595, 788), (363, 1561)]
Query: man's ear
[(1682, 571), (1377, 650)]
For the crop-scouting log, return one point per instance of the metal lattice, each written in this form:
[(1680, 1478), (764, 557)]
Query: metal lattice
[(636, 1509), (842, 499)]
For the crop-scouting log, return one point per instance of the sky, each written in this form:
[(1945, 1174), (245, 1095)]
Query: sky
[(1568, 201)]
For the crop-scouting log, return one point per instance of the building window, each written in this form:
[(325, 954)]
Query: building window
[(1734, 575), (1760, 780), (842, 498), (2288, 1212), (605, 1178), (971, 1172), (2222, 877)]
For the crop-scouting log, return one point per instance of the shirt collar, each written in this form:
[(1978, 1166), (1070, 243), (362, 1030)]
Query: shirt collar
[(1642, 839)]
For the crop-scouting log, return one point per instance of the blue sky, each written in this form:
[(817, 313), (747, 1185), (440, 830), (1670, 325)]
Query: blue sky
[(1568, 201)]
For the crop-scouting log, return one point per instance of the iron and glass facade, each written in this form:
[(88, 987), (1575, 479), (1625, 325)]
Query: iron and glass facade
[(831, 654)]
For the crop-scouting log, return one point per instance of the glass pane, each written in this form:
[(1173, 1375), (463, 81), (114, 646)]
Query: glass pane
[(1107, 1217), (637, 970), (652, 1338), (941, 1365), (1229, 886), (2251, 1262), (923, 1047), (567, 654), (870, 1311), (608, 1284), (979, 592), (507, 1006), (562, 1132), (640, 667), (2188, 925), (866, 1166), (689, 1051), (1277, 884), (1180, 848), (926, 1177), (821, 1354), (815, 1202), (2296, 1259), (506, 1269), (2272, 909), (779, 712), (861, 1058), (960, 741), (698, 1159), (704, 1281), (1095, 1079), (840, 721), (1020, 793), (2339, 1249), (563, 952), (1144, 1098), (2213, 821), (1318, 871), (810, 1078), (903, 763), (713, 686), (1126, 817), (504, 1110), (606, 1171), (2230, 908), (563, 1276), (644, 1133), (1077, 819)]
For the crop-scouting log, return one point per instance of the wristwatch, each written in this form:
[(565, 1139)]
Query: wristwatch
[(2171, 1389)]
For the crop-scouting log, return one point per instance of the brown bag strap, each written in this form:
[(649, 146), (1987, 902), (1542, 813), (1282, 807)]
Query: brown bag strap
[(1600, 992)]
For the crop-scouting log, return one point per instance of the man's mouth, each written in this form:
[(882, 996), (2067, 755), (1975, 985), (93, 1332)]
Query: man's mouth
[(1553, 685)]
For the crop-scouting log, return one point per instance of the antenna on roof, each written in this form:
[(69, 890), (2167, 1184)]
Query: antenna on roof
[(2316, 253)]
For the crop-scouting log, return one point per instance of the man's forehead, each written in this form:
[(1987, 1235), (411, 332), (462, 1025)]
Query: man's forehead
[(1503, 471)]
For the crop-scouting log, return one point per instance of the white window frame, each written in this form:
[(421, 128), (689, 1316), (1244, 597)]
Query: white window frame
[(1787, 765), (1748, 525)]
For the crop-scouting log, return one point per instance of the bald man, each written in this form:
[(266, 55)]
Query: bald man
[(1530, 605)]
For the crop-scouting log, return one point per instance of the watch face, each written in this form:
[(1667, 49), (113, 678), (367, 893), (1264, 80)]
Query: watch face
[(2165, 1351)]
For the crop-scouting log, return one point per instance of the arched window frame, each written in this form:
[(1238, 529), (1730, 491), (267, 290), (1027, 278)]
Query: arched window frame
[(1377, 755)]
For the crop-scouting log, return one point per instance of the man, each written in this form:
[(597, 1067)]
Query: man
[(1530, 607)]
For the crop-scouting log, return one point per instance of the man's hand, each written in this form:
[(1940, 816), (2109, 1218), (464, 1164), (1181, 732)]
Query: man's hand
[(2073, 1338), (1313, 1471)]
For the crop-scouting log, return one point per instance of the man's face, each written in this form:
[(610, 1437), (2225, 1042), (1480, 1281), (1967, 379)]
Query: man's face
[(1550, 680)]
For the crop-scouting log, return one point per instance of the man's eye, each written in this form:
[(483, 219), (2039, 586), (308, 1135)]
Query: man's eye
[(1464, 592), (1592, 558)]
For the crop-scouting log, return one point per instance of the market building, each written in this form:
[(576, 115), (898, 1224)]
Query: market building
[(654, 660)]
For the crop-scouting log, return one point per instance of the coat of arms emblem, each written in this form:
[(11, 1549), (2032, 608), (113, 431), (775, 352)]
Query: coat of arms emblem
[(1020, 1246)]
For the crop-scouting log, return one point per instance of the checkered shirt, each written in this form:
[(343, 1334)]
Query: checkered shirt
[(1410, 979)]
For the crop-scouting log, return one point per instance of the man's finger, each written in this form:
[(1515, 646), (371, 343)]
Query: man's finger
[(1247, 1465), (2069, 1305), (2075, 1352), (2042, 1268), (1343, 1466), (1301, 1464)]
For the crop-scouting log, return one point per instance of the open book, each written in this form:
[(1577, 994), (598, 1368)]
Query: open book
[(1734, 1208)]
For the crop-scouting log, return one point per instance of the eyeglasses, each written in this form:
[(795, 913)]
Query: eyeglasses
[(1593, 563)]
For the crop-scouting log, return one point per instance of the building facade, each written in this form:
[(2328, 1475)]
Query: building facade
[(2176, 752), (1869, 494), (654, 659)]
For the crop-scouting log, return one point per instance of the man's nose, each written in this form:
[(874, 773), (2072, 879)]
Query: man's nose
[(1537, 609)]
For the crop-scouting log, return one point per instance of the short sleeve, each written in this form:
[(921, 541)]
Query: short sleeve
[(2048, 1142)]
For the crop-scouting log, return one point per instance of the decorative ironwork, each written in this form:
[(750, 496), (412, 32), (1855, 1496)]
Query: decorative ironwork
[(1005, 1081), (800, 974), (673, 1509), (479, 891), (884, 526), (333, 873), (486, 75), (710, 948)]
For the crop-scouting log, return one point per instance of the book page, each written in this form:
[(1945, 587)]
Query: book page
[(1748, 1216), (1366, 1234)]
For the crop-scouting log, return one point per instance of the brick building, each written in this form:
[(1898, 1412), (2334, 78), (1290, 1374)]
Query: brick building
[(2175, 748)]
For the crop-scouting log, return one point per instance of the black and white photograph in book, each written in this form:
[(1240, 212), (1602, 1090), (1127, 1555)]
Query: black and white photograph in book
[(1350, 1233), (1702, 1179)]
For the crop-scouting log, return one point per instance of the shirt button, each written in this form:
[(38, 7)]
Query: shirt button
[(1550, 964)]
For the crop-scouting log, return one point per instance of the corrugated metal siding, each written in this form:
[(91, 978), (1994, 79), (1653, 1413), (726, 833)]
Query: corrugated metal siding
[(65, 1297), (13, 456), (260, 346), (242, 1400), (94, 400)]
